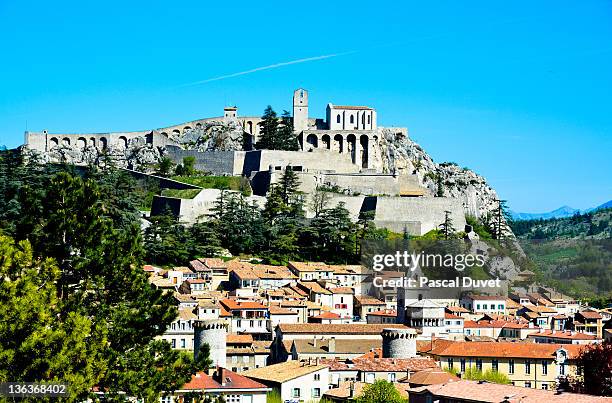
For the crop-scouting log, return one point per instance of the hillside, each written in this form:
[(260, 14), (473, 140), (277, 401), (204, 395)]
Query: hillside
[(596, 224)]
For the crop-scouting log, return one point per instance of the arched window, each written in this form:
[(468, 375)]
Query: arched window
[(363, 119), (352, 119), (338, 118), (369, 119)]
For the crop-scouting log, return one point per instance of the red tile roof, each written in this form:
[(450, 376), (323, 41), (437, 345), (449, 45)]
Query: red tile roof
[(221, 379), (502, 349), (232, 304)]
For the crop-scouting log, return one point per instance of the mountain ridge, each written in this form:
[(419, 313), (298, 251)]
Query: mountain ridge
[(561, 212)]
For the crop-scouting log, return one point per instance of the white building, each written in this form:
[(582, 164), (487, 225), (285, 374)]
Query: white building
[(305, 381), (481, 304)]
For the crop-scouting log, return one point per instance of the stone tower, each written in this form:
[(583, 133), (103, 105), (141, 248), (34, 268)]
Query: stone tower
[(399, 343), (300, 110), (213, 333)]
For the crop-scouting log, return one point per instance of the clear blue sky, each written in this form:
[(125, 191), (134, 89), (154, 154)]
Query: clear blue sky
[(521, 92)]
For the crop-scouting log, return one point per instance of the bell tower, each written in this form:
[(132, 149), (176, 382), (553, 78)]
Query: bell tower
[(300, 110)]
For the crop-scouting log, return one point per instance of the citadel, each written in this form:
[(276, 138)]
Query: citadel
[(368, 167)]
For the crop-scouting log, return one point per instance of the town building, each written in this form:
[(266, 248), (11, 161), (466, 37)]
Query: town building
[(294, 380)]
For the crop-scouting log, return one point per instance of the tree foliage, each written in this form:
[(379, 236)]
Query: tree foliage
[(81, 235), (380, 391), (275, 133)]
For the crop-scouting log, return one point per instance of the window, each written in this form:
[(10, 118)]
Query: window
[(484, 306), (338, 118), (463, 365), (238, 323), (234, 359), (511, 366), (368, 119), (391, 377), (500, 307), (527, 384), (183, 343), (450, 363), (495, 365), (316, 392), (295, 392), (562, 369), (544, 367), (165, 399), (545, 386), (479, 365), (477, 306), (527, 367), (352, 119), (245, 359), (173, 343), (317, 377)]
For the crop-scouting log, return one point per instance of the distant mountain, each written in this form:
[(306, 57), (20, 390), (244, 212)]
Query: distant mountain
[(596, 224), (561, 212), (607, 204)]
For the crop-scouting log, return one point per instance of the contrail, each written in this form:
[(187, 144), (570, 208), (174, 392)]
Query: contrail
[(271, 66)]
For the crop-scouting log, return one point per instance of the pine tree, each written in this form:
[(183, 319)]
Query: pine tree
[(289, 184), (446, 227), (99, 257), (286, 138), (268, 130)]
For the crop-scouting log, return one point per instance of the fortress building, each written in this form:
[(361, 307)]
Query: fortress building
[(345, 153)]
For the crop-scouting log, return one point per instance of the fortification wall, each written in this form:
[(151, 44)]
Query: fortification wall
[(428, 211), (217, 162), (316, 160)]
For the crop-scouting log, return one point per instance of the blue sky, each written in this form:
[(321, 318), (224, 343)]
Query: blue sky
[(521, 92)]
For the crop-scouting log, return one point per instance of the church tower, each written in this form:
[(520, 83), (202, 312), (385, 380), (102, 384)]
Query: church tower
[(300, 110)]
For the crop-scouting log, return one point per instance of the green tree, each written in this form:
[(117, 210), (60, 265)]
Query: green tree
[(268, 130), (37, 341), (165, 166), (187, 168), (446, 227), (286, 139), (380, 391), (101, 278)]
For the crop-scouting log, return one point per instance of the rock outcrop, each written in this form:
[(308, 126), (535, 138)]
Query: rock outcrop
[(398, 153)]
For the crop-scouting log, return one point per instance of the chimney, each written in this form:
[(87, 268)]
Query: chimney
[(332, 345)]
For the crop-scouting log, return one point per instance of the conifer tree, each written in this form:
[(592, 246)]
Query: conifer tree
[(268, 130), (286, 138)]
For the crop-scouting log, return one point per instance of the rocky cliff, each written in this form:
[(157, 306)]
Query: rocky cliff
[(398, 153)]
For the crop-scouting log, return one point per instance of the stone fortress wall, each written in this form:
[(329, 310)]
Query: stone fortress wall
[(340, 153)]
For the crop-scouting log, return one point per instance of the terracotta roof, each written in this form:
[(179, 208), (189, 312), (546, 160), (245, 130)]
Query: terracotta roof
[(374, 353), (344, 328), (431, 376), (457, 309), (310, 266), (343, 346), (283, 372), (539, 308), (503, 349), (213, 262), (186, 314), (327, 315), (342, 290), (277, 310), (569, 335), (343, 391), (315, 287), (229, 380), (380, 364), (451, 316), (233, 338), (590, 315), (367, 300), (196, 281), (232, 304), (384, 312), (198, 266), (475, 391)]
